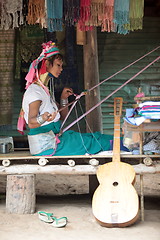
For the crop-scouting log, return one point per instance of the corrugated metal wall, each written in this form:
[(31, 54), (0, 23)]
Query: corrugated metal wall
[(117, 51)]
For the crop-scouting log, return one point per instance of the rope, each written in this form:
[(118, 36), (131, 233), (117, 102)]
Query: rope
[(79, 129), (74, 103), (91, 109), (105, 80), (89, 127)]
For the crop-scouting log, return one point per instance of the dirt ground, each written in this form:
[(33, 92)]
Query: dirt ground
[(81, 223)]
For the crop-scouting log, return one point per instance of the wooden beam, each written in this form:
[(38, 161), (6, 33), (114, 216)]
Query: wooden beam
[(91, 78), (67, 170)]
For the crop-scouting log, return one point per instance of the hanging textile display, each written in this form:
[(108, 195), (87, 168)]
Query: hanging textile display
[(36, 12), (136, 13), (85, 14), (71, 11), (107, 17), (11, 14), (54, 15), (121, 15), (97, 9)]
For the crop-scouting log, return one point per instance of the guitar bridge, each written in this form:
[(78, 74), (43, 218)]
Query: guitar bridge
[(114, 217)]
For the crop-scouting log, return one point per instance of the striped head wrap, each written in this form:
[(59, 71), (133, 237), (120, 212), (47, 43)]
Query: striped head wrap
[(49, 49)]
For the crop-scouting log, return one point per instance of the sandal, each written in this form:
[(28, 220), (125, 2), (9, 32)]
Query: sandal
[(59, 222), (46, 217)]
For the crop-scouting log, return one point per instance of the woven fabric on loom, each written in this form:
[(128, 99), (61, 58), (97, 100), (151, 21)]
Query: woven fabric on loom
[(11, 14), (136, 12), (54, 15), (71, 12), (121, 15), (36, 12)]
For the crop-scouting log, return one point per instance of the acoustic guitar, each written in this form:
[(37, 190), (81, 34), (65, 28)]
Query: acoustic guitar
[(115, 202)]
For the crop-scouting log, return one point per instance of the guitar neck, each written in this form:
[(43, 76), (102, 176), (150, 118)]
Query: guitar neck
[(117, 117)]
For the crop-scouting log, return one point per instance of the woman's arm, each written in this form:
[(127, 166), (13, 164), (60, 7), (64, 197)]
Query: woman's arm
[(64, 100), (33, 121)]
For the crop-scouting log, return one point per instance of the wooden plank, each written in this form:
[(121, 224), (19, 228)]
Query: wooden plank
[(144, 127), (67, 170), (26, 155)]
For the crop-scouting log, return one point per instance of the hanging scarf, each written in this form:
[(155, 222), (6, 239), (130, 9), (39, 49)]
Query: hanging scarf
[(36, 12), (54, 15), (71, 11), (107, 16), (121, 15), (85, 13), (11, 14), (136, 12), (97, 9)]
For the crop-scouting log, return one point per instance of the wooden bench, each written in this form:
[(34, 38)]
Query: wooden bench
[(22, 168)]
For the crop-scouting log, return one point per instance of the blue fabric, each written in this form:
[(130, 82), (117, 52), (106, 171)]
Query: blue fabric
[(54, 15), (121, 15), (75, 143)]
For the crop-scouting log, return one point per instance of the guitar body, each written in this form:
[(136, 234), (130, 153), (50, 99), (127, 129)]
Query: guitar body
[(115, 202)]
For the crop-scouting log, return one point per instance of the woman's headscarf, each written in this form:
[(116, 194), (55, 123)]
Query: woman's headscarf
[(49, 49)]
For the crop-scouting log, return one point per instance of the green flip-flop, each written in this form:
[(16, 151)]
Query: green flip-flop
[(59, 222), (45, 217)]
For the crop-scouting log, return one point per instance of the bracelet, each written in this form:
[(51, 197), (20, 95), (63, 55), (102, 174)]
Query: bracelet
[(40, 120), (64, 102)]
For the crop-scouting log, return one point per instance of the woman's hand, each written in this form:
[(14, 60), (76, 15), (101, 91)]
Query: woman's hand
[(49, 116), (66, 92)]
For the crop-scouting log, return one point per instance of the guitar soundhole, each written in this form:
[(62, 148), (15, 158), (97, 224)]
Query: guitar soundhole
[(115, 184)]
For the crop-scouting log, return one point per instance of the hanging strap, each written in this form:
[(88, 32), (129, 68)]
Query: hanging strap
[(74, 103), (88, 90), (124, 68), (91, 109)]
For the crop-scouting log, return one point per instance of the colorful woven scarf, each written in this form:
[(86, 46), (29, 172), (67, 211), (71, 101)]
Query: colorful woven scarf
[(11, 14), (107, 16), (36, 12), (121, 15), (136, 12), (71, 12), (54, 15), (97, 9), (85, 13)]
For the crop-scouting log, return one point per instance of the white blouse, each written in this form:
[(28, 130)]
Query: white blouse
[(35, 92)]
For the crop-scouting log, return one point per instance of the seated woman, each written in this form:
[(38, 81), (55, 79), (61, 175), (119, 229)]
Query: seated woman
[(42, 115)]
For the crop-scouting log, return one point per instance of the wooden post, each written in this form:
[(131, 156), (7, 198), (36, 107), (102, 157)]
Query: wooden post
[(20, 194), (91, 78)]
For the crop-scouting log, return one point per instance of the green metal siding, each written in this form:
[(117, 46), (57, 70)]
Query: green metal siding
[(117, 51)]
